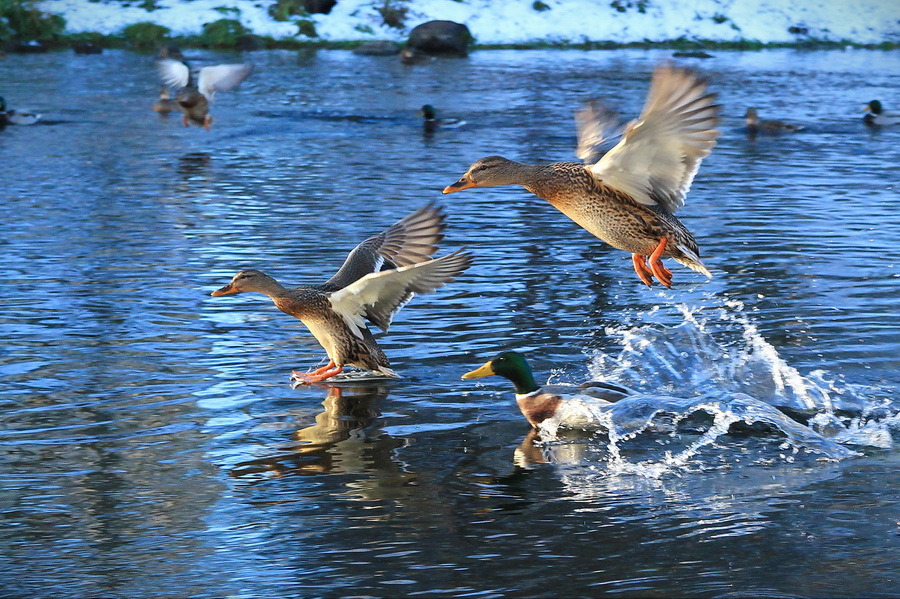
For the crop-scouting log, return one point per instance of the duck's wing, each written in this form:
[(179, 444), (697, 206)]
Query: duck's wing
[(598, 130), (410, 240), (173, 73), (378, 296), (221, 78), (656, 160)]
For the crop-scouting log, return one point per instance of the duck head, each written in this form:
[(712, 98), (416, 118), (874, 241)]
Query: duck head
[(428, 112), (249, 280), (510, 365), (488, 172), (874, 107)]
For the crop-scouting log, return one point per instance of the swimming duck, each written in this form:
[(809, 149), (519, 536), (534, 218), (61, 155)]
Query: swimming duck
[(628, 196), (193, 100), (165, 104), (755, 125), (565, 405), (876, 115), (431, 123), (378, 278), (16, 117)]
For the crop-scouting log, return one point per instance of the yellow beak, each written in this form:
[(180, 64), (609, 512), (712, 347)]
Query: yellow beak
[(486, 370), (227, 289), (459, 186)]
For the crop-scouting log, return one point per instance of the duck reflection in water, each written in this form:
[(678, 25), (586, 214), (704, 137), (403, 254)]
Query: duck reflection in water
[(347, 438)]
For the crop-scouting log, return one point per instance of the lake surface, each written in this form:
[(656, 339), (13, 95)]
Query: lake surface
[(152, 445)]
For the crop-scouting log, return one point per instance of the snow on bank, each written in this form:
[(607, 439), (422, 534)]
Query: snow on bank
[(517, 21)]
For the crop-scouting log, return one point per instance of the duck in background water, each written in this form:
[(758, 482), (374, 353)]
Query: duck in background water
[(9, 116), (878, 117), (755, 125), (430, 122), (194, 99)]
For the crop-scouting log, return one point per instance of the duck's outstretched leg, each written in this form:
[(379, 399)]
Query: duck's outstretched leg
[(185, 121), (640, 267), (320, 374), (207, 122), (662, 273)]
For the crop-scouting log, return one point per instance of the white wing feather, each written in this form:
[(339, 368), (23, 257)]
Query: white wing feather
[(221, 78), (173, 73), (658, 157), (386, 292)]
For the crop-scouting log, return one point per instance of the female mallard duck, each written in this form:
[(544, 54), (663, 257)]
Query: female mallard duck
[(16, 117), (566, 405), (193, 100), (431, 123), (876, 115), (165, 104), (628, 197), (755, 125), (377, 279)]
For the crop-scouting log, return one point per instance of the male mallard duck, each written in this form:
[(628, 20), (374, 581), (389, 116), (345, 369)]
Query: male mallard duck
[(193, 100), (377, 279), (431, 123), (16, 117), (876, 115), (165, 104), (628, 197), (755, 125), (567, 405)]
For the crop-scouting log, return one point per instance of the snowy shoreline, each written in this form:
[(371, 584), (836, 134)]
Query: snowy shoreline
[(521, 22)]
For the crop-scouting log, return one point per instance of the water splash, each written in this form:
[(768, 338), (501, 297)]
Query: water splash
[(708, 375)]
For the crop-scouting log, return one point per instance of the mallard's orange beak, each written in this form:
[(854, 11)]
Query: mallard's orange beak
[(226, 290), (463, 183), (486, 370), (866, 109)]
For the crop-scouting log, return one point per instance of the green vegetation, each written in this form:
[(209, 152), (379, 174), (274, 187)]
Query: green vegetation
[(283, 10), (21, 20), (146, 35), (393, 13), (306, 27), (223, 33)]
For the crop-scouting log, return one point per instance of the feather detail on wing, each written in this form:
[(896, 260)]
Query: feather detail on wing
[(173, 73), (598, 130), (221, 78), (656, 160), (408, 241), (378, 296)]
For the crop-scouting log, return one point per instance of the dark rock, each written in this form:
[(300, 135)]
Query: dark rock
[(87, 48), (377, 48), (32, 47), (692, 54), (798, 30), (440, 38), (322, 7), (248, 43)]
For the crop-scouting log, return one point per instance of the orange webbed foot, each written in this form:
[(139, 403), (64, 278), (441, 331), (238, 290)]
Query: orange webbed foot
[(640, 267), (185, 121), (662, 273), (317, 375)]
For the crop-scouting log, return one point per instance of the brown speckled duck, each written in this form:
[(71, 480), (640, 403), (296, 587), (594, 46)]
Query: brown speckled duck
[(628, 196), (756, 125), (377, 279), (193, 100)]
